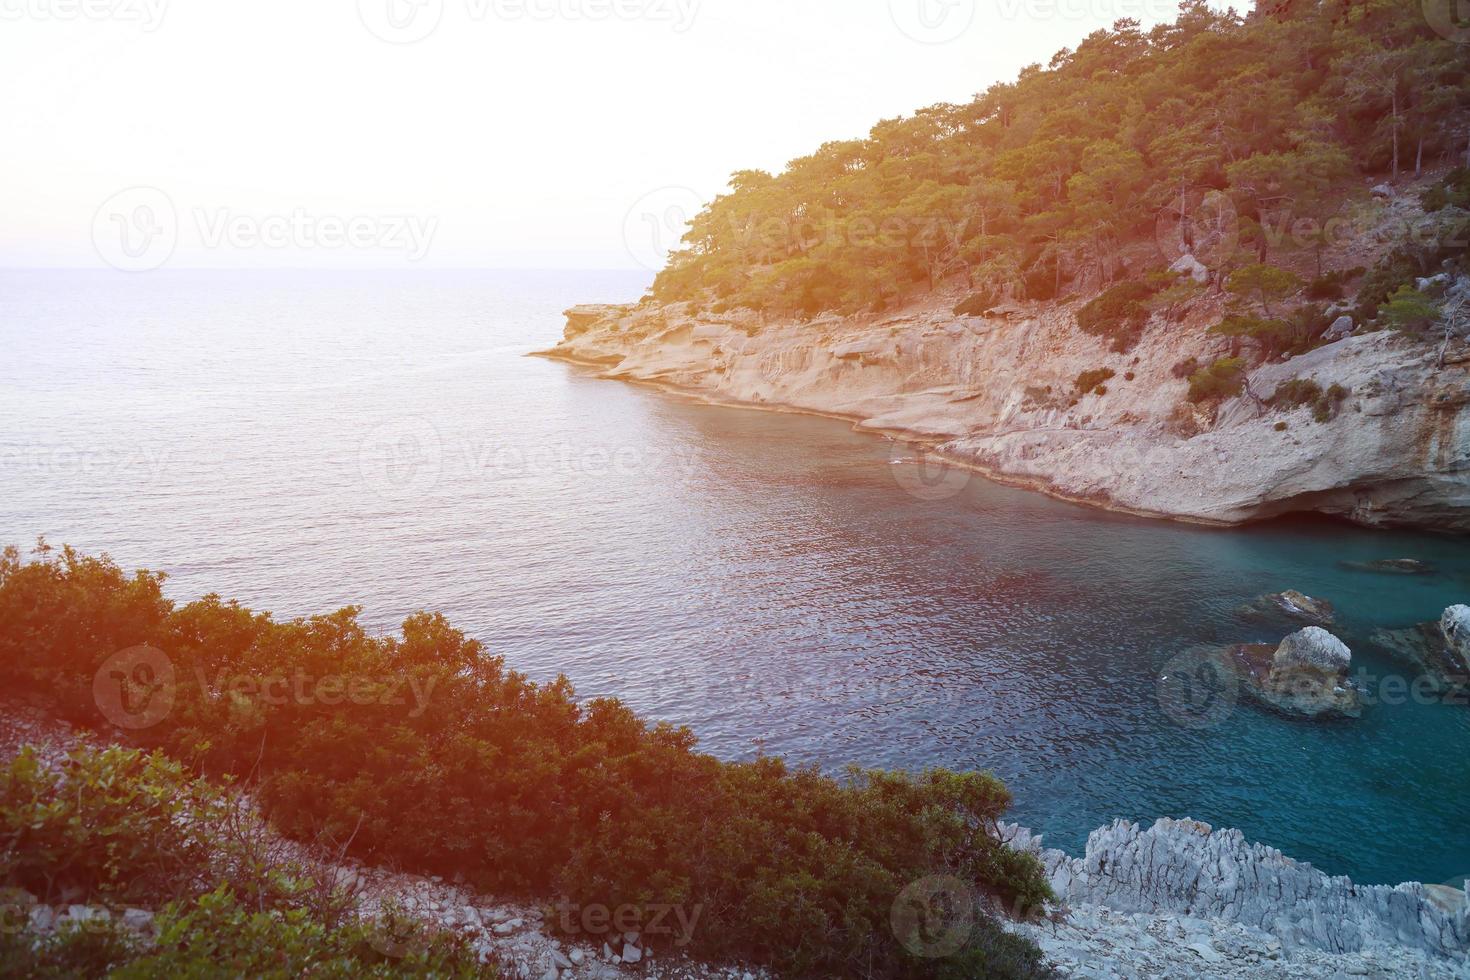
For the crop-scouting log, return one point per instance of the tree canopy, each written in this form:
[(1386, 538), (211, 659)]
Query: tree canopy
[(1032, 186)]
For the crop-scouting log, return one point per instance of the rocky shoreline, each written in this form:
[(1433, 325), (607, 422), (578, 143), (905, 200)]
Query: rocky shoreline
[(999, 393), (1176, 900), (1241, 909)]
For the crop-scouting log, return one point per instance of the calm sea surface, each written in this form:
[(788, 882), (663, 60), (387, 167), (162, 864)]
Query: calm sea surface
[(308, 441)]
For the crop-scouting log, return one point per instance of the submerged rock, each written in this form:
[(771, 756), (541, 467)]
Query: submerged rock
[(1297, 605), (1439, 651), (1305, 676), (1391, 566)]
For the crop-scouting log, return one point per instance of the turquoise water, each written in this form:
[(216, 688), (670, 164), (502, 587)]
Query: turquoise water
[(306, 442)]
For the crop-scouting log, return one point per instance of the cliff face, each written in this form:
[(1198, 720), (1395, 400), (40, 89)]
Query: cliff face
[(1182, 899), (1000, 393), (1188, 868)]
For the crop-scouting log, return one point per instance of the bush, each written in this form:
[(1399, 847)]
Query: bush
[(976, 304), (1222, 379), (216, 930), (1409, 310), (1090, 381), (1328, 287), (1185, 368), (215, 935), (74, 951), (445, 761), (1296, 393), (112, 824), (117, 827), (1040, 284), (1119, 314), (1295, 333), (1453, 191), (1305, 393)]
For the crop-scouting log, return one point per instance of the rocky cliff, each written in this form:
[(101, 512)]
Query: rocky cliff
[(1181, 899), (1001, 393)]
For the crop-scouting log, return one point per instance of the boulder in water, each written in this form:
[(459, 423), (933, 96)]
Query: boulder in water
[(1305, 676), (1439, 652), (1391, 566), (1293, 604), (1313, 649)]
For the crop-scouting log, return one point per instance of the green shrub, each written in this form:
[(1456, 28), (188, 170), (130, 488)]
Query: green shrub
[(519, 786), (1409, 310), (1119, 314), (1454, 191), (1296, 393), (976, 304), (112, 823), (1326, 287), (1305, 393), (1089, 381), (217, 933), (1222, 379), (118, 827), (1294, 333), (1282, 426), (1393, 271), (1040, 284), (93, 950)]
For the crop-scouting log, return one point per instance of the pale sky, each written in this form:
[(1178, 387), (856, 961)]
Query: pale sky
[(453, 133)]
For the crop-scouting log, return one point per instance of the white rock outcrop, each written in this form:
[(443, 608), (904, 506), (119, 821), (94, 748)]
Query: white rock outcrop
[(1455, 625), (1185, 868), (1314, 648)]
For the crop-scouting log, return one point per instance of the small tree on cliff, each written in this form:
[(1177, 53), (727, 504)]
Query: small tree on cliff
[(1262, 285)]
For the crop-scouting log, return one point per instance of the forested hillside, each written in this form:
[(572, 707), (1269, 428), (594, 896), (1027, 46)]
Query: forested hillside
[(1249, 142)]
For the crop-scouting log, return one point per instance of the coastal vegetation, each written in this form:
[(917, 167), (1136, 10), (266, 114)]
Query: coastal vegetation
[(118, 826), (1242, 146), (425, 751)]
